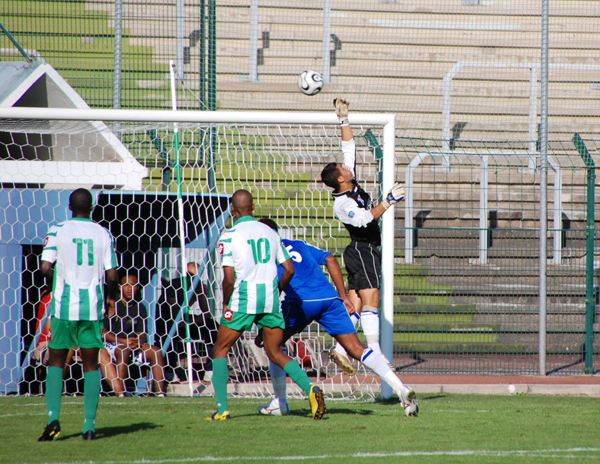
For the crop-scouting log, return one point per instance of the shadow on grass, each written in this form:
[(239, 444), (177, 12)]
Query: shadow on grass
[(107, 432), (394, 401), (431, 397), (306, 414), (334, 411)]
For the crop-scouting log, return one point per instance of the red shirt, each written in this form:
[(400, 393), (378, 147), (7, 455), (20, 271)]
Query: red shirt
[(42, 308)]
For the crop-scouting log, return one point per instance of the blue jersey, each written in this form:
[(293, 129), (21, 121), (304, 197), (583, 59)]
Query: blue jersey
[(309, 282)]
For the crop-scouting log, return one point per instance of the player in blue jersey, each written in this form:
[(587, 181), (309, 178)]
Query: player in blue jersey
[(310, 297)]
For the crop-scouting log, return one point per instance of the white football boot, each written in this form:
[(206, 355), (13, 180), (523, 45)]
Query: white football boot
[(274, 409), (408, 400)]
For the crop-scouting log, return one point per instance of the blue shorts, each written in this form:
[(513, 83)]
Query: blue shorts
[(330, 314)]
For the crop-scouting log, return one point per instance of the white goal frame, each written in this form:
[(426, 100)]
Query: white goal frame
[(387, 121)]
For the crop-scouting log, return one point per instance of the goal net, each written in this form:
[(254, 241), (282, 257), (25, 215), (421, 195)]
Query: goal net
[(128, 160)]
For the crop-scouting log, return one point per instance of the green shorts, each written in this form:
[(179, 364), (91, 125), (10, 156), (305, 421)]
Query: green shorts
[(78, 334), (243, 321)]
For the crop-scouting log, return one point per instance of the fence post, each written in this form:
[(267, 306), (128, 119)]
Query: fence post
[(483, 211), (589, 263), (254, 41), (118, 54), (543, 192), (326, 41), (180, 15)]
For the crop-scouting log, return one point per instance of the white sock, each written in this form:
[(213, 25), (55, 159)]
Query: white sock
[(394, 382), (278, 377), (370, 324), (377, 364), (355, 318)]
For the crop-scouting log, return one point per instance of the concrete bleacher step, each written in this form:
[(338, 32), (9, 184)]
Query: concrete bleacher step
[(77, 20), (506, 8), (557, 321), (285, 24), (573, 284), (478, 133), (458, 218), (286, 83), (525, 295), (283, 49), (470, 109), (406, 310), (366, 31), (413, 70), (478, 345), (473, 293), (402, 270)]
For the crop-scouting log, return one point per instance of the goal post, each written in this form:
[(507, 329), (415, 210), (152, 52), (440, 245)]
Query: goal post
[(286, 132)]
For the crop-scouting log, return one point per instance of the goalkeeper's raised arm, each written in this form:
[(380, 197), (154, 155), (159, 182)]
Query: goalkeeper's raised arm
[(342, 177)]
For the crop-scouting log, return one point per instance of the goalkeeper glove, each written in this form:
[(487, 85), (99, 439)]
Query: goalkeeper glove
[(341, 110), (395, 194)]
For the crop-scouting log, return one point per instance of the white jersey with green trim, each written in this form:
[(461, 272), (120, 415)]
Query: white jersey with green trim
[(82, 250), (253, 249)]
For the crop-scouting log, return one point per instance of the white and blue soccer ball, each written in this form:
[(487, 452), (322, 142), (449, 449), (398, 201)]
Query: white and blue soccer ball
[(310, 82)]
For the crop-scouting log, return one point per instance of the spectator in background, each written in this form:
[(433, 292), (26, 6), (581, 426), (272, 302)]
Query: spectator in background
[(125, 340), (107, 366), (41, 354), (203, 326)]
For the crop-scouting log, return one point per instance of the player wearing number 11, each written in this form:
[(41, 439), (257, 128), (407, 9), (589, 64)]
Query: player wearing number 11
[(82, 252), (250, 252)]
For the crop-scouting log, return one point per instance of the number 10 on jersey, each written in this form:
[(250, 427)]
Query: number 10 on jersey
[(261, 250)]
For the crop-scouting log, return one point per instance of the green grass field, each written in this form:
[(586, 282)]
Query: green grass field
[(450, 428)]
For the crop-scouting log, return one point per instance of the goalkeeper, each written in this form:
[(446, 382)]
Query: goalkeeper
[(354, 207)]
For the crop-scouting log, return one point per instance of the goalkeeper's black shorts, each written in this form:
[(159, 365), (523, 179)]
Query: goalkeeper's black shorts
[(363, 263)]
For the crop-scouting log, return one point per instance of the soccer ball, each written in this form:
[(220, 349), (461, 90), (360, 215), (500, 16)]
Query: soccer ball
[(310, 82)]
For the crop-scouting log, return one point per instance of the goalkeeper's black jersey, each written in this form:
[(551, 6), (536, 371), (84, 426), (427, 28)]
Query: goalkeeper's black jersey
[(350, 207)]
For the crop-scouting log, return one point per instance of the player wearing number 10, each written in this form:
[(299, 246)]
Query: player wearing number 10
[(82, 251), (250, 252)]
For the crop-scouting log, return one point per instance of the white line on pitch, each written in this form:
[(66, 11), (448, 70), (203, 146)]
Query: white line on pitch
[(568, 453)]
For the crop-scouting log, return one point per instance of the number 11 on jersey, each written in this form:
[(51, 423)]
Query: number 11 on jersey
[(81, 242)]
